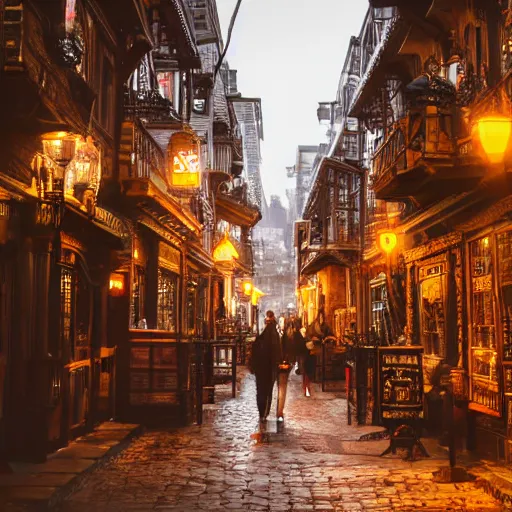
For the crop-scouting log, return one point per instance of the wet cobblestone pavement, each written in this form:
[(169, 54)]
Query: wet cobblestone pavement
[(313, 463)]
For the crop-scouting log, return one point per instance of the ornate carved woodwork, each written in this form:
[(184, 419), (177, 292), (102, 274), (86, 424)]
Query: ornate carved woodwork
[(460, 297), (488, 216), (432, 247)]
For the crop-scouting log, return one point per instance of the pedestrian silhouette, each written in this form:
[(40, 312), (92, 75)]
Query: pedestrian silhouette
[(265, 358)]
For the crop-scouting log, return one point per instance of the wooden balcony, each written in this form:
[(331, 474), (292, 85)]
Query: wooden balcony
[(420, 159), (143, 174)]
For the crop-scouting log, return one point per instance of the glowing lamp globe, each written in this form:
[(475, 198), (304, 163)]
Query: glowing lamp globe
[(225, 251), (247, 288), (494, 134), (387, 242), (116, 285)]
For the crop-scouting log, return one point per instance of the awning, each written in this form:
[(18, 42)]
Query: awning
[(324, 259)]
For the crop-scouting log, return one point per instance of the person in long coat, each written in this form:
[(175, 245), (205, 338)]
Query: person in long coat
[(266, 356)]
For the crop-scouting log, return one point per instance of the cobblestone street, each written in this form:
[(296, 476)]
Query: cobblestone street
[(315, 462)]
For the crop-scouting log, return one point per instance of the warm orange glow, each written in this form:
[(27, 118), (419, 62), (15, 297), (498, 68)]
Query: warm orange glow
[(256, 295), (135, 254), (248, 288), (387, 241), (183, 155), (225, 251), (116, 284), (494, 134)]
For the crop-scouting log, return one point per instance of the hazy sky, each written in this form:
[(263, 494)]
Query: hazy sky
[(290, 54)]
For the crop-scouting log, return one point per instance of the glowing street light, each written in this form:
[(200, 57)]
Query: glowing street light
[(248, 288), (387, 241), (225, 251), (494, 134)]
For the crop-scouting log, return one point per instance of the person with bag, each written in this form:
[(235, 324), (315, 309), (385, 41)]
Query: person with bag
[(265, 358)]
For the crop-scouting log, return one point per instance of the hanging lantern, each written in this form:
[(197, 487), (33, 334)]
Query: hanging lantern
[(387, 241), (60, 147), (247, 286), (116, 285), (494, 135), (183, 157), (225, 251)]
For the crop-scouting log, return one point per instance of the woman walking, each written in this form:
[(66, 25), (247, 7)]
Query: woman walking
[(265, 358), (288, 361)]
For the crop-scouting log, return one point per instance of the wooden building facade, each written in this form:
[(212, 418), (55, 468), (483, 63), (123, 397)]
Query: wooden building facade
[(417, 83), (106, 217)]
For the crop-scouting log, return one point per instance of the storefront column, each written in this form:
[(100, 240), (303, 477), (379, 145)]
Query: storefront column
[(409, 306)]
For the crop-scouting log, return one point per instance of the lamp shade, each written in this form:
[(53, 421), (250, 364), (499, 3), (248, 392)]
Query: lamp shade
[(256, 295), (225, 251), (494, 134), (387, 241)]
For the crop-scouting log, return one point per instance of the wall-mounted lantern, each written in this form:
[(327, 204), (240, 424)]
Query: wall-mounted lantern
[(247, 286), (387, 241), (183, 153), (116, 285), (60, 146), (494, 135), (225, 251)]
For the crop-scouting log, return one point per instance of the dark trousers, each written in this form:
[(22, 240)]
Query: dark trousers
[(264, 388)]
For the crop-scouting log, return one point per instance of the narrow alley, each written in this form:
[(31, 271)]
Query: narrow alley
[(314, 462)]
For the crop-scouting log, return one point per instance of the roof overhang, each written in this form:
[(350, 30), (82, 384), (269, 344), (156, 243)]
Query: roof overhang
[(236, 213), (324, 259)]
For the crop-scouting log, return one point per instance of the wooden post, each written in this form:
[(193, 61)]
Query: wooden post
[(233, 370)]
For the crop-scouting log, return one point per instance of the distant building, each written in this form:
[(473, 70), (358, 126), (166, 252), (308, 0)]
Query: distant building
[(302, 171), (273, 260)]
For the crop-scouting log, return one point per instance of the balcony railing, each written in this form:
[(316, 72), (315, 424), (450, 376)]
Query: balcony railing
[(141, 157), (418, 148), (150, 106)]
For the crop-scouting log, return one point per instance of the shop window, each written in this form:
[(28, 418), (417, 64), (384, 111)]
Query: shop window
[(432, 307), (484, 377), (75, 296), (505, 263), (137, 316), (66, 301), (167, 300), (379, 307)]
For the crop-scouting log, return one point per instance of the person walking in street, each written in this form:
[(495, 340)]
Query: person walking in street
[(316, 333), (265, 358), (285, 366)]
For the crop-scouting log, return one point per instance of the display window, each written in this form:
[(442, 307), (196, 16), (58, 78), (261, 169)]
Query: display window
[(167, 300), (484, 357), (433, 309)]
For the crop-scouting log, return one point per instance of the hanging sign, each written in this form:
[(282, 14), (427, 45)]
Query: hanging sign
[(183, 153)]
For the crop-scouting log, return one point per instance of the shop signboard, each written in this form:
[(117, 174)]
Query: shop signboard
[(400, 384)]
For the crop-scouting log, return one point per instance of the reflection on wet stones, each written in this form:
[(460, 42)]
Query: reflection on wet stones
[(230, 464)]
